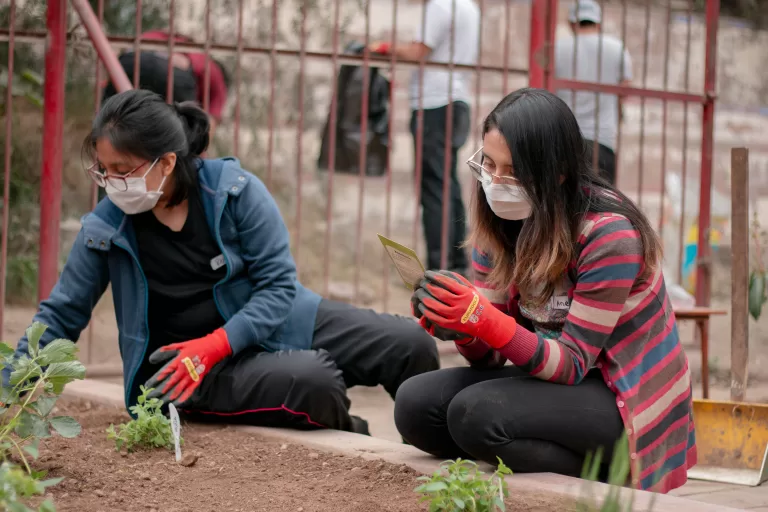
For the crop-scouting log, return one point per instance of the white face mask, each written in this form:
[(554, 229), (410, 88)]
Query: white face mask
[(137, 199), (507, 201)]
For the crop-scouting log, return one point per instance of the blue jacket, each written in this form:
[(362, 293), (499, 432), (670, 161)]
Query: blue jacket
[(260, 298)]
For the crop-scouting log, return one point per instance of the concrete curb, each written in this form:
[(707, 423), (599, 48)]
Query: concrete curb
[(371, 448)]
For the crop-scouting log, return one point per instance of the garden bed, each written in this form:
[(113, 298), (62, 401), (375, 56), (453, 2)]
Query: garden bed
[(235, 471)]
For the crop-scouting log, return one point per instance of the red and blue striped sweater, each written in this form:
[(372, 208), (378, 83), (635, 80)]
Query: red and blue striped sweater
[(605, 315)]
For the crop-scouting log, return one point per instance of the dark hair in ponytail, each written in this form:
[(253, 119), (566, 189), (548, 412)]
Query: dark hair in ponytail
[(141, 123)]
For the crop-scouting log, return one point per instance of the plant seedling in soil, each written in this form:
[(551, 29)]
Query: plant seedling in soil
[(150, 429), (459, 485), (618, 472), (36, 380)]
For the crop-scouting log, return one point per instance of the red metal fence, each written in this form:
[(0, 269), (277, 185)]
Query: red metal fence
[(262, 47)]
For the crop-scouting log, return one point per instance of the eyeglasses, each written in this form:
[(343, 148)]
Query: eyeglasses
[(117, 182), (482, 174)]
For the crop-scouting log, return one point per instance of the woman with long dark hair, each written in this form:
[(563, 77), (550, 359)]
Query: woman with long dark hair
[(209, 311), (568, 288)]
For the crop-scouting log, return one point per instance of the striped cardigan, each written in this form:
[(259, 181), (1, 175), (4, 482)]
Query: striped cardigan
[(604, 315)]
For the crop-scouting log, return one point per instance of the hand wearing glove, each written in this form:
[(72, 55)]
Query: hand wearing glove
[(449, 301), (190, 362), (434, 330)]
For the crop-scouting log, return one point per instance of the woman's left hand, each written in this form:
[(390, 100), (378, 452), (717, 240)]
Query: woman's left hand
[(454, 303)]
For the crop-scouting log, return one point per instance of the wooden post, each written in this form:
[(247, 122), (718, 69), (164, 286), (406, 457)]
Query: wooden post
[(740, 228)]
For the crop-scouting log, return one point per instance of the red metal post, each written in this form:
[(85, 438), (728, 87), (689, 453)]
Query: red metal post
[(171, 41), (537, 46), (703, 268), (549, 43), (53, 128), (137, 47), (300, 131), (98, 39), (238, 78), (7, 170)]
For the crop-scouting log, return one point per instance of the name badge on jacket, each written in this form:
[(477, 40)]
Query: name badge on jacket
[(218, 262)]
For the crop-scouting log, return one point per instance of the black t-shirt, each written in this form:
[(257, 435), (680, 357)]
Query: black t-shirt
[(181, 268)]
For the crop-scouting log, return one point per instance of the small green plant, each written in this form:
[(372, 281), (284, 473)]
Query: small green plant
[(459, 485), (150, 429), (757, 277), (16, 486), (617, 499), (35, 384)]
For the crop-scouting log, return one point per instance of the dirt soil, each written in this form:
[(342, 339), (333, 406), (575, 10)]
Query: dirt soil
[(234, 472)]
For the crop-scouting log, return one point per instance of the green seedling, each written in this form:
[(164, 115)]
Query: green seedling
[(618, 498), (150, 429), (35, 384), (459, 485)]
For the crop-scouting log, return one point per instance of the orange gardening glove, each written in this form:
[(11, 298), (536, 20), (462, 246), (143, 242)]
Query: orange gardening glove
[(190, 362), (450, 301)]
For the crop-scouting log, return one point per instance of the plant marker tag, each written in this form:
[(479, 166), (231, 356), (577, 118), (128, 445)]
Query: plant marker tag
[(406, 262), (176, 430)]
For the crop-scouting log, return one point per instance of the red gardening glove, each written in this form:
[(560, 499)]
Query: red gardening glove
[(453, 303), (190, 362), (382, 48)]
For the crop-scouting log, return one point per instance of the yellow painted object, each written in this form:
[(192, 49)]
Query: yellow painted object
[(732, 442)]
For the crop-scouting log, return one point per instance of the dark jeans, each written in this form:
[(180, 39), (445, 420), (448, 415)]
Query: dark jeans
[(606, 160), (432, 173), (307, 389), (533, 425)]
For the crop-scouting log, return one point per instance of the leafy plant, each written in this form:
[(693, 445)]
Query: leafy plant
[(616, 500), (458, 485), (757, 289), (150, 429), (17, 485), (36, 381)]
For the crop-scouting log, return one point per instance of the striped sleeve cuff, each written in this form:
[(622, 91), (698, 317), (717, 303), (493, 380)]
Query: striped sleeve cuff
[(522, 347)]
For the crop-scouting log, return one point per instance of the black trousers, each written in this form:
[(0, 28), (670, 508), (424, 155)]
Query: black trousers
[(307, 389), (531, 424), (606, 160), (432, 173)]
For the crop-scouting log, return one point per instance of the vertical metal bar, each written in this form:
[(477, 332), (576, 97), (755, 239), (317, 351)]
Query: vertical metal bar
[(739, 272), (419, 139), (171, 42), (687, 80), (207, 72), (272, 84), (300, 130), (574, 61), (7, 166), (664, 120), (363, 151), (238, 77), (596, 141), (640, 159), (331, 149), (507, 37), (53, 128), (537, 42), (621, 99), (549, 44), (137, 47), (478, 76), (448, 150), (703, 268), (390, 138), (94, 186)]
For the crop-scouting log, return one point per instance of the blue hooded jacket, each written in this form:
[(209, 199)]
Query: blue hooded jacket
[(260, 298)]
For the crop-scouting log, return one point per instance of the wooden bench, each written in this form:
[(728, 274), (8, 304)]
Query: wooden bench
[(701, 317)]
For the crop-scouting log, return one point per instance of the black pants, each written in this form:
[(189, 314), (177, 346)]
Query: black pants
[(432, 173), (306, 389), (606, 160), (533, 425)]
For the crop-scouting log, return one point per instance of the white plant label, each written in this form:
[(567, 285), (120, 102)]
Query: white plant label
[(176, 430)]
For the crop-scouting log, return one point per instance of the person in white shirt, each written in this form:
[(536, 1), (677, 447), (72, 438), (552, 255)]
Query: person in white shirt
[(439, 89), (598, 114)]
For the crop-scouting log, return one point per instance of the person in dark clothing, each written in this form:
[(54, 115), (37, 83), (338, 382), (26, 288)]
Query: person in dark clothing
[(209, 309)]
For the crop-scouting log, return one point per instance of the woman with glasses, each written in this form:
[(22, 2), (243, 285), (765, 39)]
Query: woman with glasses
[(568, 288), (209, 311)]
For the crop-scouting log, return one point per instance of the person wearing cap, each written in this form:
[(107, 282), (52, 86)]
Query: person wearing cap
[(449, 33), (589, 55)]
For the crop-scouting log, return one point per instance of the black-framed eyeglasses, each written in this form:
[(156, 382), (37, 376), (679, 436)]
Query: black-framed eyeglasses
[(117, 182)]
